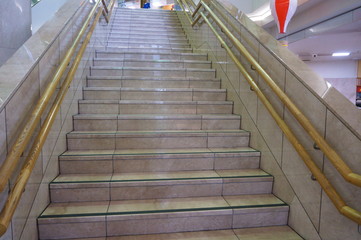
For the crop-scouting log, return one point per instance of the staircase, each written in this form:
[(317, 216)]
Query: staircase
[(156, 149)]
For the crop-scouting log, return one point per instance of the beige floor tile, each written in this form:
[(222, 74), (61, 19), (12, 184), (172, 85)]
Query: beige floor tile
[(83, 208), (251, 200), (83, 178), (241, 173), (205, 235), (267, 233), (164, 175), (167, 204)]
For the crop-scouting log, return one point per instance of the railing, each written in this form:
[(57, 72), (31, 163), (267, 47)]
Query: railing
[(329, 152), (22, 141)]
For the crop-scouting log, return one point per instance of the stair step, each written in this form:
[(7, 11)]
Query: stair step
[(155, 185), (129, 217), (124, 62), (260, 233), (158, 94), (145, 49), (132, 44), (151, 56), (138, 122), (152, 24), (157, 160), (145, 29), (117, 140), (149, 39), (154, 107), (118, 34), (153, 82), (152, 72)]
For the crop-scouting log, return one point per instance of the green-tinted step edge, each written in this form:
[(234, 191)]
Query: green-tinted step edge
[(164, 179), (163, 211)]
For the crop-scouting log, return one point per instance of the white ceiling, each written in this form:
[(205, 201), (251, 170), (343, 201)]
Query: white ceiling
[(318, 40)]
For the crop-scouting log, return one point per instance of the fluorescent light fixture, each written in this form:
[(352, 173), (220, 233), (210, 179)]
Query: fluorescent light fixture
[(341, 54), (260, 14)]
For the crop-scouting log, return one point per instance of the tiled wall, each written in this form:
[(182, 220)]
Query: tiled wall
[(23, 80), (15, 19), (312, 214)]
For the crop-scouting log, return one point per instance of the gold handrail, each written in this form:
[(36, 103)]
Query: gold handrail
[(20, 183), (321, 178), (330, 153)]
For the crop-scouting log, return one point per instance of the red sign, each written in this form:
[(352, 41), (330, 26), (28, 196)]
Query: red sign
[(358, 89)]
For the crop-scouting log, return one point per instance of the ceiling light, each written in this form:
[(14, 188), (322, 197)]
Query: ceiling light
[(261, 13), (341, 54)]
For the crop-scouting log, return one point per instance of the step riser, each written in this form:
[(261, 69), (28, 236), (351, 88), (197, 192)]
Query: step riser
[(135, 83), (149, 40), (117, 34), (163, 163), (118, 72), (154, 95), (118, 142), (147, 45), (157, 190), (115, 108), (142, 56), (143, 49), (110, 63), (144, 16), (164, 223), (149, 124), (151, 30), (120, 23)]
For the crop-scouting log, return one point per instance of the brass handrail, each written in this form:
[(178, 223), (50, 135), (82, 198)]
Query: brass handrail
[(321, 178), (20, 183)]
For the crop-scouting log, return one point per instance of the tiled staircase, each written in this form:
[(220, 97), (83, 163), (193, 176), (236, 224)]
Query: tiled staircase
[(156, 150)]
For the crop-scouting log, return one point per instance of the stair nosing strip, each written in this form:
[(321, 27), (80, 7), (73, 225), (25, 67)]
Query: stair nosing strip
[(164, 211), (165, 179)]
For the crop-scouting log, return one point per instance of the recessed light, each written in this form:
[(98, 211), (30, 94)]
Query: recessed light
[(341, 54)]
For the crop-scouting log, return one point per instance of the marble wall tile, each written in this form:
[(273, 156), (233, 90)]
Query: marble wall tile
[(22, 212), (20, 105), (3, 138), (346, 144), (333, 225), (300, 222), (16, 19), (48, 64)]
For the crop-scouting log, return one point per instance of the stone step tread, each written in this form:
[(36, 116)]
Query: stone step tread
[(150, 60), (160, 152), (123, 33), (77, 179), (157, 102), (131, 49), (151, 38), (158, 133), (149, 24), (155, 89), (152, 78), (156, 206), (150, 53), (153, 69), (156, 116), (131, 42), (259, 233)]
